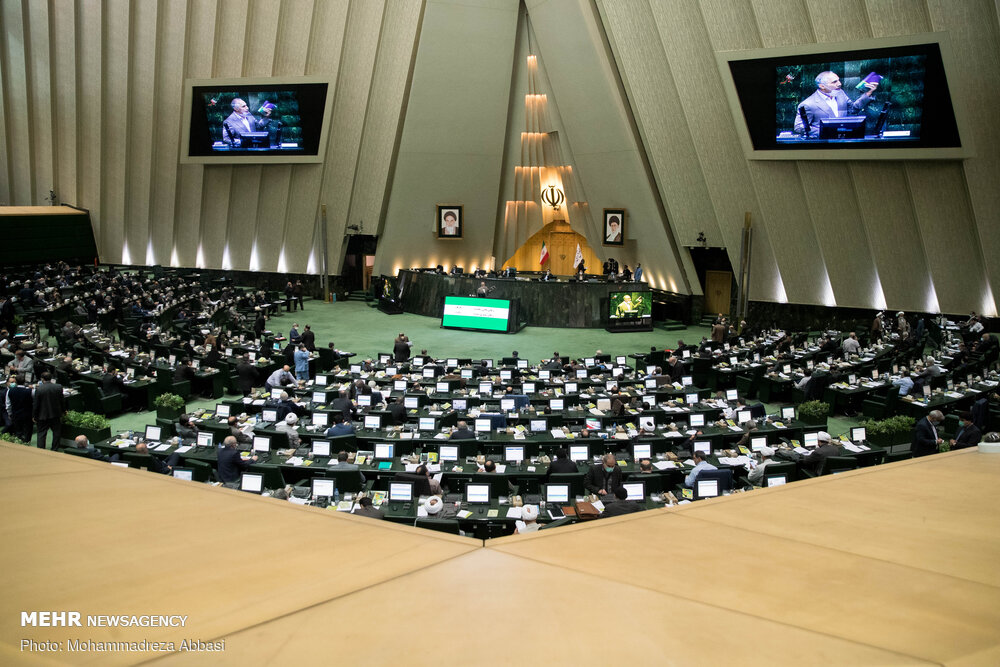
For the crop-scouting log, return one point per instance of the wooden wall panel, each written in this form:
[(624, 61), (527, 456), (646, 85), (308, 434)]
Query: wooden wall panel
[(39, 93), (114, 132), (272, 206), (64, 100), (5, 175), (292, 42), (303, 214), (215, 202), (89, 120), (143, 120), (18, 127)]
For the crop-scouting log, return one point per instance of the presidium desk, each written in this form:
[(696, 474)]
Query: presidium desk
[(582, 305)]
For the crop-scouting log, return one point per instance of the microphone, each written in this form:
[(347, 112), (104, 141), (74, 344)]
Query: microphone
[(805, 121)]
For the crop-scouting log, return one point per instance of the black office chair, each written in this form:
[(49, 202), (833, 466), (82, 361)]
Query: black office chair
[(347, 481), (202, 471), (723, 475), (499, 487), (872, 457), (654, 482), (137, 460), (839, 464), (273, 479), (440, 525)]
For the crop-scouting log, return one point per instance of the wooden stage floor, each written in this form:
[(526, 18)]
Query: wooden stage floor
[(898, 564)]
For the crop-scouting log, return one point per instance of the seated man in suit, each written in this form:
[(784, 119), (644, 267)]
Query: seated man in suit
[(235, 432), (81, 442), (342, 464), (829, 101), (621, 505), (240, 122), (155, 464), (462, 432), (604, 477), (344, 405), (184, 371), (397, 410), (968, 434), (365, 508), (186, 429), (342, 427), (561, 463), (230, 463)]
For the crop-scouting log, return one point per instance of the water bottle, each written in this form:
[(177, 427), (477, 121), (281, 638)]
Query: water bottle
[(336, 495)]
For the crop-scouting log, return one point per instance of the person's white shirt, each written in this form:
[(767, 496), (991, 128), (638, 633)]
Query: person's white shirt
[(976, 327), (523, 527)]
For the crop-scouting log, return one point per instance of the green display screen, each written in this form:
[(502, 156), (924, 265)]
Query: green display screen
[(631, 305), (473, 313)]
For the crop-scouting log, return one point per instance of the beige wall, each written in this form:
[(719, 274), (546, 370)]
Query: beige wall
[(91, 97), (913, 235)]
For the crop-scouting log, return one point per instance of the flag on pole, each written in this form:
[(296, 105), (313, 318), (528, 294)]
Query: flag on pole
[(578, 257), (542, 258)]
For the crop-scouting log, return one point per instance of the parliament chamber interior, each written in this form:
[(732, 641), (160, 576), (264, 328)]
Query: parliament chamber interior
[(319, 316)]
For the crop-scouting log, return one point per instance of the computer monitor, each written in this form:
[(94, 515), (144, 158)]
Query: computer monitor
[(427, 373), (593, 423), (579, 453), (418, 361), (843, 127), (460, 404), (262, 443), (589, 361), (485, 387), (401, 491), (522, 363), (442, 387), (321, 380), (391, 370), (355, 368), (528, 387), (611, 385), (650, 370), (411, 402), (184, 473), (365, 400), (252, 482), (852, 379), (277, 347), (205, 439), (538, 425), (786, 369), (733, 361), (703, 446), (506, 375), (483, 425), (269, 415), (706, 488), (687, 381), (399, 385), (556, 404), (857, 434), (229, 351), (373, 422), (320, 448), (650, 383), (690, 399), (222, 410), (384, 450), (426, 424), (571, 388), (640, 452), (621, 360), (758, 442), (686, 354), (153, 433), (775, 480), (448, 452), (743, 416), (636, 490), (486, 362), (581, 374), (321, 419), (477, 493), (732, 394), (810, 439), (545, 374), (513, 453), (276, 394), (172, 359), (507, 404), (696, 419), (452, 363), (322, 488), (384, 358), (466, 373), (788, 413), (557, 493)]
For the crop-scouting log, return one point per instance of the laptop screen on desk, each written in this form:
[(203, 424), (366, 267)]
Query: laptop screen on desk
[(383, 450), (572, 387), (442, 387), (485, 387), (758, 442), (401, 491), (687, 381), (221, 410), (621, 360), (269, 415), (320, 447), (204, 439), (365, 400), (507, 404), (538, 425), (322, 488), (261, 443), (593, 423), (119, 464), (399, 385), (556, 404), (743, 416), (774, 480), (321, 380), (522, 363), (707, 488), (528, 388), (449, 452), (252, 482), (276, 394), (691, 399), (636, 490), (460, 404), (513, 453), (152, 433), (477, 493), (557, 493), (506, 375), (466, 373), (647, 423)]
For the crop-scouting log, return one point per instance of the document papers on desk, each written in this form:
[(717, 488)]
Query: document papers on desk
[(557, 433), (184, 449), (162, 448), (513, 512), (664, 465)]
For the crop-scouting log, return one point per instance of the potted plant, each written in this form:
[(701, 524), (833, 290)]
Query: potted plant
[(96, 427), (895, 430), (169, 406), (814, 413)]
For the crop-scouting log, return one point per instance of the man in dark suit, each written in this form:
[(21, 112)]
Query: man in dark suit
[(397, 410), (968, 434), (47, 410), (19, 409), (230, 462), (184, 371), (308, 339), (365, 508), (401, 348), (343, 405), (621, 505), (925, 434), (829, 101), (463, 432), (235, 432), (240, 122), (561, 463), (342, 427), (604, 477), (246, 375)]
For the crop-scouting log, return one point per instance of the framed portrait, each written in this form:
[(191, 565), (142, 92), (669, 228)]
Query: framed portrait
[(614, 226), (449, 221)]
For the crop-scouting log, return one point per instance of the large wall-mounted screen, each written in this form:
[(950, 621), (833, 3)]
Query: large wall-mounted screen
[(474, 313), (846, 103), (631, 305), (256, 120)]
